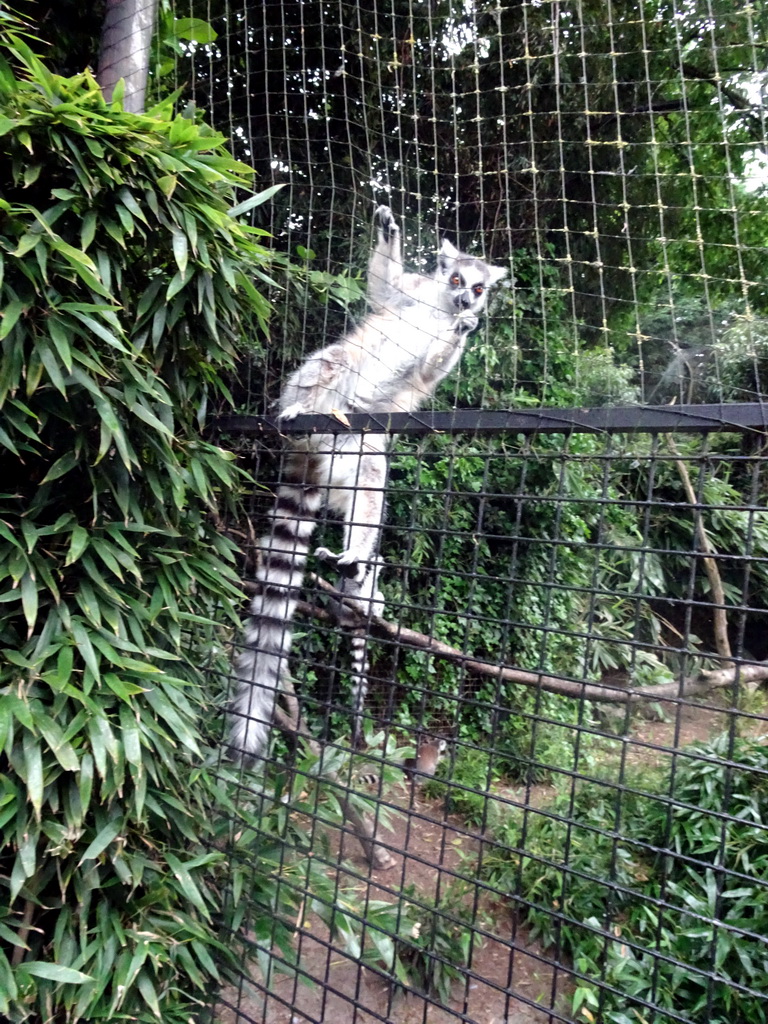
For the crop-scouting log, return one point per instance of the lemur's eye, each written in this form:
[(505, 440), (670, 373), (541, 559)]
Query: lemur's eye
[(455, 280), (478, 289)]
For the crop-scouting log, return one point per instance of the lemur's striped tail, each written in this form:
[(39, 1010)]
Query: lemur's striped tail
[(263, 663), (361, 668), (367, 598)]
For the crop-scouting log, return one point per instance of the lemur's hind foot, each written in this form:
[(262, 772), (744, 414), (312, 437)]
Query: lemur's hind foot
[(349, 563)]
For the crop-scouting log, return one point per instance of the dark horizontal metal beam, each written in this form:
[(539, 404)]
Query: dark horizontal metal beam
[(633, 419)]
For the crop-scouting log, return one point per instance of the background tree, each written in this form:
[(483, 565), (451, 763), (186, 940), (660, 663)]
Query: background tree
[(126, 42)]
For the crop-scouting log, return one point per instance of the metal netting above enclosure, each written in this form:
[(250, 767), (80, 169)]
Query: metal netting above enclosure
[(612, 154)]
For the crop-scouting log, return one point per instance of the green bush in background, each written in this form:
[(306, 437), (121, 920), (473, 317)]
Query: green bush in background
[(124, 281), (666, 906)]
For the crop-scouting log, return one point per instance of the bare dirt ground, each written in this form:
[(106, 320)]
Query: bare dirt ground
[(510, 979)]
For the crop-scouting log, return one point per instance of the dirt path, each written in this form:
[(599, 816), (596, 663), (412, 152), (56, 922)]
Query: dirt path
[(508, 979)]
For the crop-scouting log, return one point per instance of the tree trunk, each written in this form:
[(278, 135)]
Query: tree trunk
[(124, 53)]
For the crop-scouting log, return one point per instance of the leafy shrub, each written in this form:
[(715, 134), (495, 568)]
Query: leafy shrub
[(424, 943), (654, 925), (468, 777), (125, 283)]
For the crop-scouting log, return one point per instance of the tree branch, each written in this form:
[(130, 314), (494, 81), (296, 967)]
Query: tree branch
[(349, 617), (734, 98), (722, 642), (364, 827)]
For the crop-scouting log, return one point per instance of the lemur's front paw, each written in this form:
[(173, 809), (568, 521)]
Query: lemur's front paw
[(466, 323), (326, 555), (351, 566), (386, 223)]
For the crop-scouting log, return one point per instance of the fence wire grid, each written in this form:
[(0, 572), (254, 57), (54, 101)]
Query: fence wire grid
[(591, 845), (559, 811)]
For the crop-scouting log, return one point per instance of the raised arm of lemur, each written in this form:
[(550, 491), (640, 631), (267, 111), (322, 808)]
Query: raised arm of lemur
[(412, 337)]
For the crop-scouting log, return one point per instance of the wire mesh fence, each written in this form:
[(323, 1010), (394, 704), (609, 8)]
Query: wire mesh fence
[(563, 755), (611, 154), (557, 809)]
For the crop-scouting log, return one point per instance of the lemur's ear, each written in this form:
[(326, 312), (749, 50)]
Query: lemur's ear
[(448, 253), (496, 274)]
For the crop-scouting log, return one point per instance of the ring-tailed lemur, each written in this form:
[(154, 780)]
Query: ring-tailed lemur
[(430, 751), (411, 339)]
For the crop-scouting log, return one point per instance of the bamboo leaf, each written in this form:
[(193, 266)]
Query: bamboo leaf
[(178, 282), (28, 853), (61, 341), (147, 989), (254, 201), (101, 841), (48, 359), (121, 687), (100, 330), (33, 767), (29, 601), (195, 29), (187, 884), (55, 972), (85, 781), (61, 467), (85, 647), (27, 243), (131, 736), (104, 551), (6, 441), (88, 229), (131, 205), (167, 184), (180, 250), (62, 751), (30, 533), (77, 545), (8, 988), (151, 420), (10, 316)]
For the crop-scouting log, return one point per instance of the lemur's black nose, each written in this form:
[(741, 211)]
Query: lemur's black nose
[(464, 301)]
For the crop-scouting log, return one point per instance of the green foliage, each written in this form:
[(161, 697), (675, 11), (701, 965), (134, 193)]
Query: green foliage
[(124, 281), (423, 943), (653, 924), (696, 353), (175, 38), (70, 41), (487, 513), (573, 107), (740, 360), (469, 777)]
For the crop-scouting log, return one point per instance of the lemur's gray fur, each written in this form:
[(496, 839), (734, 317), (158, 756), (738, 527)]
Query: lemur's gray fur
[(410, 340)]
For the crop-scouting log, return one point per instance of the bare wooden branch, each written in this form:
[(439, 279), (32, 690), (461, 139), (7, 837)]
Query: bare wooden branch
[(23, 933), (720, 617), (350, 617), (364, 827)]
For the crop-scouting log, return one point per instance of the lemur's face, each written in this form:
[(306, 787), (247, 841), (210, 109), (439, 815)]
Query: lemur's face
[(467, 279)]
